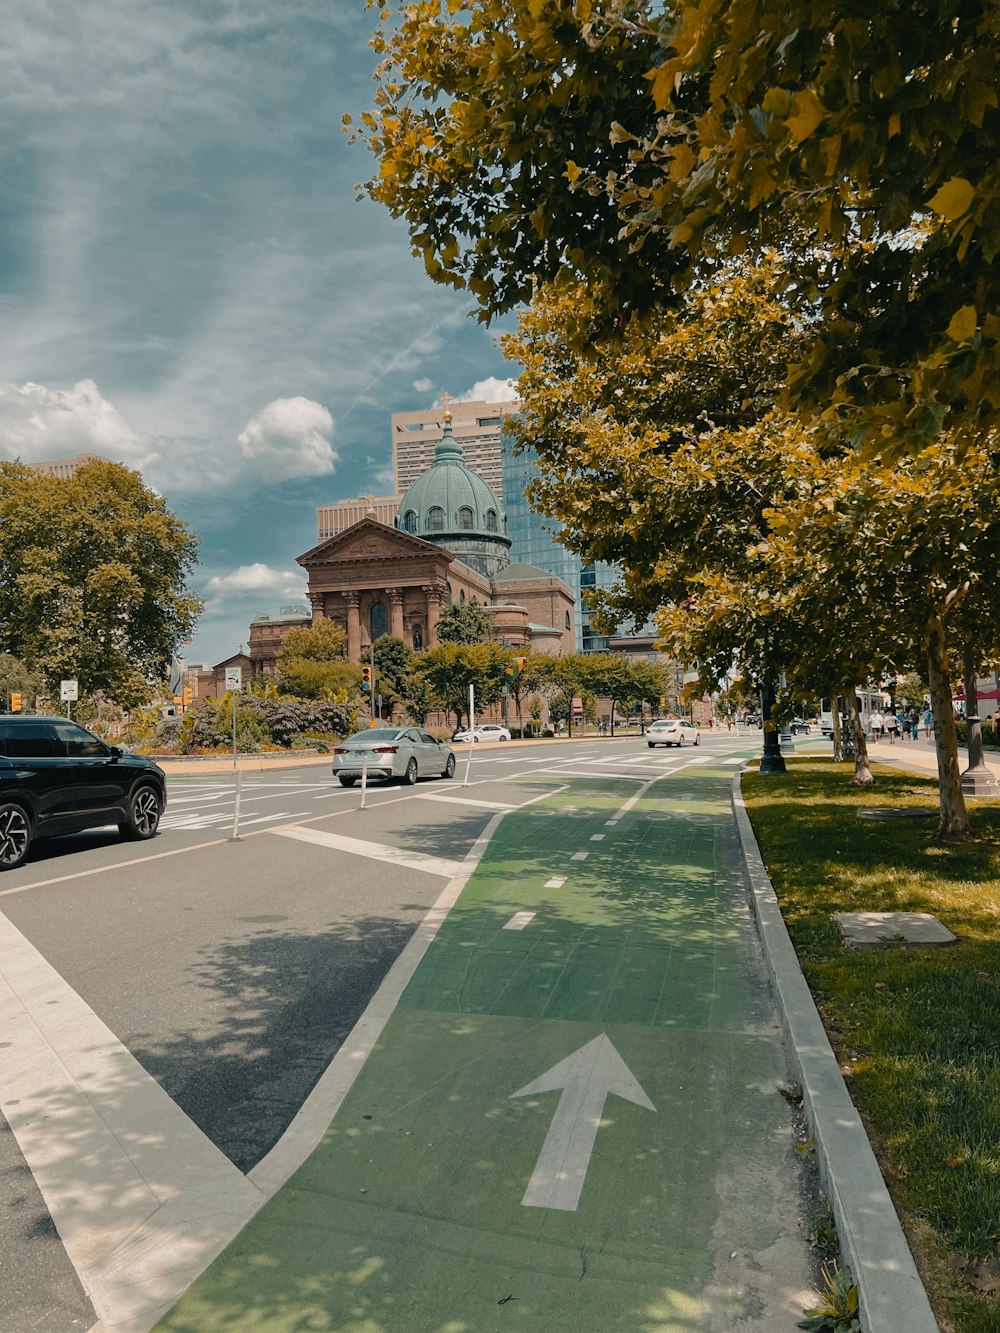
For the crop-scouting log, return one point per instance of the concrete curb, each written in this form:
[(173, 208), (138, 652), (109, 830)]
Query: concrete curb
[(891, 1295)]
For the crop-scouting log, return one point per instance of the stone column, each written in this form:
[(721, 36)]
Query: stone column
[(317, 601), (395, 596), (434, 593), (353, 626)]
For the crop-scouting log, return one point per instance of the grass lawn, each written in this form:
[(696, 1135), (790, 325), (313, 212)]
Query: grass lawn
[(917, 1031)]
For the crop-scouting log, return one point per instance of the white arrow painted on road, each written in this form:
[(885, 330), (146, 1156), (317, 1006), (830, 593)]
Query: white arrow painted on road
[(586, 1078)]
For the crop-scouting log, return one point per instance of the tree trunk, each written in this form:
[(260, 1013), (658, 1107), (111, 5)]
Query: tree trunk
[(838, 740), (954, 823), (863, 776)]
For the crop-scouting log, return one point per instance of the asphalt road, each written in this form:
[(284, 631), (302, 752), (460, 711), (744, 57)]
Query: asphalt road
[(233, 970)]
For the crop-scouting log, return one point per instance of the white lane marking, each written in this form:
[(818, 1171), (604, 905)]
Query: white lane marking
[(597, 837), (586, 1079), (468, 800), (585, 773), (556, 882), (705, 759), (732, 761), (579, 856), (374, 851), (519, 920), (113, 1155), (611, 822)]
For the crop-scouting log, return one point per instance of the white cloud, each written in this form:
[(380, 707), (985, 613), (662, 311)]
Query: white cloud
[(423, 386), (491, 390), (290, 437), (39, 423), (249, 580)]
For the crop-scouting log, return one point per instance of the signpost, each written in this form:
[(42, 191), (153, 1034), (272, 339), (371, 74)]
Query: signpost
[(234, 683), (69, 692)]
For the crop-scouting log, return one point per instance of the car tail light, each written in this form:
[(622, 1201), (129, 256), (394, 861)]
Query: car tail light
[(386, 749), (339, 749)]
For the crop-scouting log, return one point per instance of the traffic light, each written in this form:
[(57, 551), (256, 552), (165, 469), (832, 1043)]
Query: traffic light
[(187, 696), (16, 702), (663, 702), (366, 679)]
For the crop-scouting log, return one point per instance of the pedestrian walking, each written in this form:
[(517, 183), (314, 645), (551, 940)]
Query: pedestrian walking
[(928, 721), (877, 723), (892, 726), (906, 727)]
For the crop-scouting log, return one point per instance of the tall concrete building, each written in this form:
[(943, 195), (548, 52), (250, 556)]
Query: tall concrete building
[(334, 518), (476, 426)]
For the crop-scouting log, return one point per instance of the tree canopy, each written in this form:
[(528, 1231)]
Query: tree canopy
[(93, 578), (469, 622), (311, 663)]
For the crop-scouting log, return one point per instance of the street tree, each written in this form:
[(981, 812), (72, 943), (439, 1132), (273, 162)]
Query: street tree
[(393, 662), (311, 663), (93, 578), (468, 622), (450, 668)]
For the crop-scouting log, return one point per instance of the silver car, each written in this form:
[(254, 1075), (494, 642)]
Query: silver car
[(406, 753)]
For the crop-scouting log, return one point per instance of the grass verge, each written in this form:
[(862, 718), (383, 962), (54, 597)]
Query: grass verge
[(916, 1030)]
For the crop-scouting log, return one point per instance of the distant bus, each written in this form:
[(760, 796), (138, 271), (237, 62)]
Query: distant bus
[(869, 698)]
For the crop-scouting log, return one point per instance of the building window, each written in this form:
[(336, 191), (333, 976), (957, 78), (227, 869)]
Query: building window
[(461, 596), (448, 594), (378, 620), (409, 521), (465, 519), (435, 519), (418, 638), (569, 623), (491, 520)]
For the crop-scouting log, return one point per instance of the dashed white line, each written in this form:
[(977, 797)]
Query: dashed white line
[(579, 856), (519, 920), (597, 837), (556, 882), (468, 800)]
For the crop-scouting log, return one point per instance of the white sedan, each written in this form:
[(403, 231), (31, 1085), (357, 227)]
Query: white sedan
[(489, 731), (406, 753), (672, 732)]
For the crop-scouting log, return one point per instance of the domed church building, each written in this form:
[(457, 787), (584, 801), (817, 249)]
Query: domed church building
[(449, 544)]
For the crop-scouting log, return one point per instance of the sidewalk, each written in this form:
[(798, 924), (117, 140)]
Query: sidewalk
[(571, 1119), (922, 758)]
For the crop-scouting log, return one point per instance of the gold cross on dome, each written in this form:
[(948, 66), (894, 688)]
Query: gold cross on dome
[(446, 401)]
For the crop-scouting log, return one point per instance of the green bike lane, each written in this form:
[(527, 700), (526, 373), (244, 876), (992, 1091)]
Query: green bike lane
[(572, 1118)]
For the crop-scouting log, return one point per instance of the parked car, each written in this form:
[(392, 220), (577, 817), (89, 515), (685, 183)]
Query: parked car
[(672, 732), (488, 731), (799, 725), (56, 778), (406, 753)]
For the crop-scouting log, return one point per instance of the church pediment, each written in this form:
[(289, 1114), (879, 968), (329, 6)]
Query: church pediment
[(368, 541)]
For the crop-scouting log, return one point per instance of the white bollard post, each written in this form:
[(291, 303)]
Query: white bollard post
[(472, 732), (364, 780), (236, 808)]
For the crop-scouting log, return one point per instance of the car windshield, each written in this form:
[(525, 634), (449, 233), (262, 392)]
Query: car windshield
[(375, 735)]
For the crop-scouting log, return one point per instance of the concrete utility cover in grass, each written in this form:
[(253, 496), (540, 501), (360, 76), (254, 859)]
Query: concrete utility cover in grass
[(875, 930), (897, 812)]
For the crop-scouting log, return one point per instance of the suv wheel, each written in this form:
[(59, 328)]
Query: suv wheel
[(410, 776), (144, 809), (15, 835)]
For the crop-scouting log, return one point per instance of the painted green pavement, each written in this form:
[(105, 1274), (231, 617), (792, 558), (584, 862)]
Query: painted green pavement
[(651, 1187)]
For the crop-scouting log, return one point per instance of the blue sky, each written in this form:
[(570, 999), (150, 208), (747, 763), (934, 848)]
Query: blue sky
[(188, 284)]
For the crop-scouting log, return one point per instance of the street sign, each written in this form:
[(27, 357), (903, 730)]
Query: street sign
[(69, 691), (234, 678)]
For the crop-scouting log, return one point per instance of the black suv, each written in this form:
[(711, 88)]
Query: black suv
[(57, 777)]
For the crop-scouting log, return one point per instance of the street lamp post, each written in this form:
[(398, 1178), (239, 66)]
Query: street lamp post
[(771, 761)]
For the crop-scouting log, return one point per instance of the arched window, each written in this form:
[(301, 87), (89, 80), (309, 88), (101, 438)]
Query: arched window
[(418, 638), (448, 594), (461, 596), (466, 519), (435, 519), (409, 521), (378, 620), (491, 520), (569, 623)]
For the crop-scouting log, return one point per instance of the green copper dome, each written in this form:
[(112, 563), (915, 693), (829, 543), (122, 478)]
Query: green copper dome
[(451, 506)]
